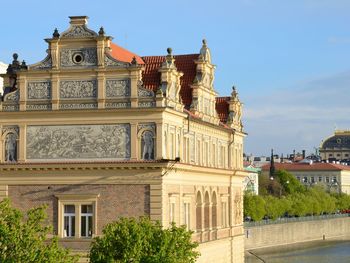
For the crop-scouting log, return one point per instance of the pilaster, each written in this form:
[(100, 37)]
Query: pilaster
[(22, 143)]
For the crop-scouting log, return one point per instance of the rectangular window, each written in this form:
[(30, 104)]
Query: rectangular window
[(172, 212), (320, 178), (76, 215), (187, 213), (305, 179), (312, 179), (327, 179), (334, 179), (69, 221), (86, 220)]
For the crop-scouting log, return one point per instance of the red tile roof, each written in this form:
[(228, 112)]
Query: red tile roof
[(222, 107), (184, 63), (307, 167), (124, 55)]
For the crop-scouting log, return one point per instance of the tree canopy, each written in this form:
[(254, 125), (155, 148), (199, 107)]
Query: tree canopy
[(286, 196), (24, 238), (141, 240)]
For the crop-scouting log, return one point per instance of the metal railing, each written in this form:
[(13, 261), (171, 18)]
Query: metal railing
[(284, 220)]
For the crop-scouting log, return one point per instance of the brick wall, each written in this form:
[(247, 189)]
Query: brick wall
[(114, 201)]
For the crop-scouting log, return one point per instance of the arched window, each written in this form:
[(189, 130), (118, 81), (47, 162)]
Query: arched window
[(214, 211), (206, 211), (199, 211)]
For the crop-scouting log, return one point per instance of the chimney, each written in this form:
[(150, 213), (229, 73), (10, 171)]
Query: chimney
[(303, 154), (78, 20)]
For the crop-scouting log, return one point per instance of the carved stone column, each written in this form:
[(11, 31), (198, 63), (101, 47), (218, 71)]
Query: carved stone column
[(22, 93), (55, 92), (134, 142), (101, 90), (159, 142), (22, 143)]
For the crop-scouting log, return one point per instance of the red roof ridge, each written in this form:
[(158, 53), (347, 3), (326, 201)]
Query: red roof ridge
[(306, 166), (124, 55)]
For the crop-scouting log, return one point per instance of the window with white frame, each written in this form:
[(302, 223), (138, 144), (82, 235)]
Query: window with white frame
[(77, 215), (171, 212), (69, 221), (86, 220)]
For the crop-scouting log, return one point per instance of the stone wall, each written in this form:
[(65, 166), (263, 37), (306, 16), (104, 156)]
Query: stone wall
[(294, 232)]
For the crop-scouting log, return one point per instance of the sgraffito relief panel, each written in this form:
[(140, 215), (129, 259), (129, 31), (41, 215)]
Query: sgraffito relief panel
[(39, 90), (78, 89), (116, 88), (78, 142), (83, 57)]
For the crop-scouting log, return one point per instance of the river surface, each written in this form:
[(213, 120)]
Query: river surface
[(320, 252)]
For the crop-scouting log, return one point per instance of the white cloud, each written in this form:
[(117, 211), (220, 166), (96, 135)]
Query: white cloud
[(297, 118)]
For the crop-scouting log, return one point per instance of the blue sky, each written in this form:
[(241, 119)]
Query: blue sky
[(288, 59)]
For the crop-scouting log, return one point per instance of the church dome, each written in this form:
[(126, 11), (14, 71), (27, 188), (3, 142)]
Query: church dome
[(340, 139)]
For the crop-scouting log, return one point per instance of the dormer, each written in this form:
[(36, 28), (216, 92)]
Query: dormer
[(170, 85), (203, 93), (235, 111)]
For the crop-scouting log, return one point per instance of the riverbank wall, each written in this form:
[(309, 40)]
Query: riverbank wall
[(287, 232)]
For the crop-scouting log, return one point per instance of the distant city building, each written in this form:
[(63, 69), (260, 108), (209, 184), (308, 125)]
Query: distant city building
[(3, 68), (336, 147), (334, 177)]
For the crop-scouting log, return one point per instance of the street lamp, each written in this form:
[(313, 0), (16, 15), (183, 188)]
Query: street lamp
[(333, 183)]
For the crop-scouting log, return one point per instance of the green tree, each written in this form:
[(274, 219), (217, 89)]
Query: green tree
[(24, 239), (132, 240), (254, 206), (274, 207), (289, 183), (342, 201)]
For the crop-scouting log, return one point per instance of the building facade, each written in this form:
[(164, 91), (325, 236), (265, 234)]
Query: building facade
[(336, 147), (333, 177), (97, 132)]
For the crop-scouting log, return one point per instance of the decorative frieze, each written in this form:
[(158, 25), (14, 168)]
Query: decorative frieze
[(78, 142), (83, 57), (45, 64), (145, 93), (39, 90), (77, 106), (78, 89), (117, 105), (117, 88), (33, 107), (78, 31), (111, 62), (12, 107), (147, 104)]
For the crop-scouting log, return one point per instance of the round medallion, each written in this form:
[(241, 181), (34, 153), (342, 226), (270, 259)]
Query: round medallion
[(78, 58)]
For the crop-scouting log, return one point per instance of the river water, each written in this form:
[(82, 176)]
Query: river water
[(318, 252)]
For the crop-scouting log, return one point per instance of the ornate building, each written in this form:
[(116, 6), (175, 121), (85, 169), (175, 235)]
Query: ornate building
[(97, 132), (3, 68), (336, 147)]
